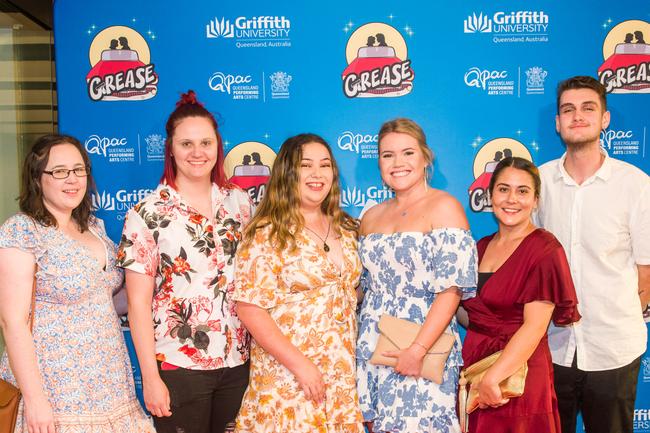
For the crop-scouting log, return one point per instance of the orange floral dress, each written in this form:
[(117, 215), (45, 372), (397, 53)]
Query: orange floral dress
[(313, 304)]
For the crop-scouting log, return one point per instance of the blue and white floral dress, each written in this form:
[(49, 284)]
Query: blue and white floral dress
[(403, 273)]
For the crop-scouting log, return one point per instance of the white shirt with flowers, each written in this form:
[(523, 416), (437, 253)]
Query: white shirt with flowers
[(192, 260)]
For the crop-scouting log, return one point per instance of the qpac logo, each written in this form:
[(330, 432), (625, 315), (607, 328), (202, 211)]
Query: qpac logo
[(121, 201), (248, 165), (535, 77), (115, 149), (357, 198), (255, 32), (121, 66), (485, 162), (493, 82), (238, 87), (645, 369), (620, 142), (514, 26), (362, 144), (378, 63), (280, 82), (626, 54)]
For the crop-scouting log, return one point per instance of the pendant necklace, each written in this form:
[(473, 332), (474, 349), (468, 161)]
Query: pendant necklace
[(326, 247)]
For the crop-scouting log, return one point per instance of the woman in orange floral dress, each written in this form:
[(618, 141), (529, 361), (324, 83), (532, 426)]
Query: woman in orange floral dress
[(295, 283)]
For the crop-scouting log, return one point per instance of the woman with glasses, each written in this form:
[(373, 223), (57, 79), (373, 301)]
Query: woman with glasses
[(68, 358)]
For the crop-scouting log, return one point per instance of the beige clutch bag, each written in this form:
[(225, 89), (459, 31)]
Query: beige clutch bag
[(512, 386), (396, 334)]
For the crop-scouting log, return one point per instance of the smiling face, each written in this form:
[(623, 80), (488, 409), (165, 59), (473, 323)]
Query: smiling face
[(513, 197), (401, 161), (194, 149), (316, 175), (581, 117), (62, 196)]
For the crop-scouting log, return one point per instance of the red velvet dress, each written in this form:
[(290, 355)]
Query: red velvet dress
[(536, 271)]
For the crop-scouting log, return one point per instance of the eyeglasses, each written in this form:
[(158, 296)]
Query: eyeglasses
[(63, 173)]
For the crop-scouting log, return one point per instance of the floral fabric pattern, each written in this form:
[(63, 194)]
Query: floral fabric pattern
[(313, 304), (403, 273), (80, 349), (192, 260)]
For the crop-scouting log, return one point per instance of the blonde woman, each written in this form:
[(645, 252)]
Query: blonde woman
[(419, 260)]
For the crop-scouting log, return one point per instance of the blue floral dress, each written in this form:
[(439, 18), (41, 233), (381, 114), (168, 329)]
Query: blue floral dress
[(83, 362), (403, 273)]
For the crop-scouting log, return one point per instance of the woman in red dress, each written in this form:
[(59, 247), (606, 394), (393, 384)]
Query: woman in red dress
[(524, 282)]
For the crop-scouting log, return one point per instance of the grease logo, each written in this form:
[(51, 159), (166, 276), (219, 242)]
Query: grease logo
[(121, 66), (238, 87), (251, 32), (378, 63), (249, 165), (492, 82), (626, 52), (485, 162), (620, 142), (121, 201), (357, 198), (514, 26), (362, 144)]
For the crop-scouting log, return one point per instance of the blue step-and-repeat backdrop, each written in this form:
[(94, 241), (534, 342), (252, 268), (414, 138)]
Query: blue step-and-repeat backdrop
[(479, 76)]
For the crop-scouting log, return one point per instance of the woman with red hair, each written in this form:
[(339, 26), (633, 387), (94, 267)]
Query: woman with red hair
[(178, 248)]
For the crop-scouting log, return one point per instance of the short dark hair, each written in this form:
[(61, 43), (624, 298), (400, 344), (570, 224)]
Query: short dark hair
[(582, 82), (519, 164), (31, 191)]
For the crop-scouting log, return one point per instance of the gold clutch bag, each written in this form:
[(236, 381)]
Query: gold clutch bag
[(512, 386), (397, 334)]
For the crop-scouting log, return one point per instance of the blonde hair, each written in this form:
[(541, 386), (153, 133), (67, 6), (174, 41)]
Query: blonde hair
[(280, 207), (408, 127)]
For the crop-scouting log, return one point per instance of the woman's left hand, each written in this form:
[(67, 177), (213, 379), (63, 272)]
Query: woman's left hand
[(489, 394), (409, 361)]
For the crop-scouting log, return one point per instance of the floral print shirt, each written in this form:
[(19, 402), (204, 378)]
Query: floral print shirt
[(192, 260), (313, 304)]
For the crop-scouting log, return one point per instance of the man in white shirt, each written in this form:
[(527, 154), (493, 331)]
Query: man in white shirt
[(599, 209)]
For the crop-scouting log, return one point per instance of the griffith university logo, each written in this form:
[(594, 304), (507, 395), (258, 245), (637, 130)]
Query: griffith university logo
[(513, 26), (626, 51), (485, 162), (248, 165), (121, 66), (251, 32), (378, 63), (353, 198)]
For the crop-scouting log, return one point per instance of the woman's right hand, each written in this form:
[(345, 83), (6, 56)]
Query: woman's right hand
[(156, 397), (311, 381), (39, 416)]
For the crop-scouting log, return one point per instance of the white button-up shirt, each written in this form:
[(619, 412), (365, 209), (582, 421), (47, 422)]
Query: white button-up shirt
[(604, 227)]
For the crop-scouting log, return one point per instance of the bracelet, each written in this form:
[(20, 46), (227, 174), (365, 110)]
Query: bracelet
[(426, 349)]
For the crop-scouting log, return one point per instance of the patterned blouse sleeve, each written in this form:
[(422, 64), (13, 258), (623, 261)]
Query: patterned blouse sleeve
[(454, 262), (257, 270), (550, 280), (138, 250), (20, 231)]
